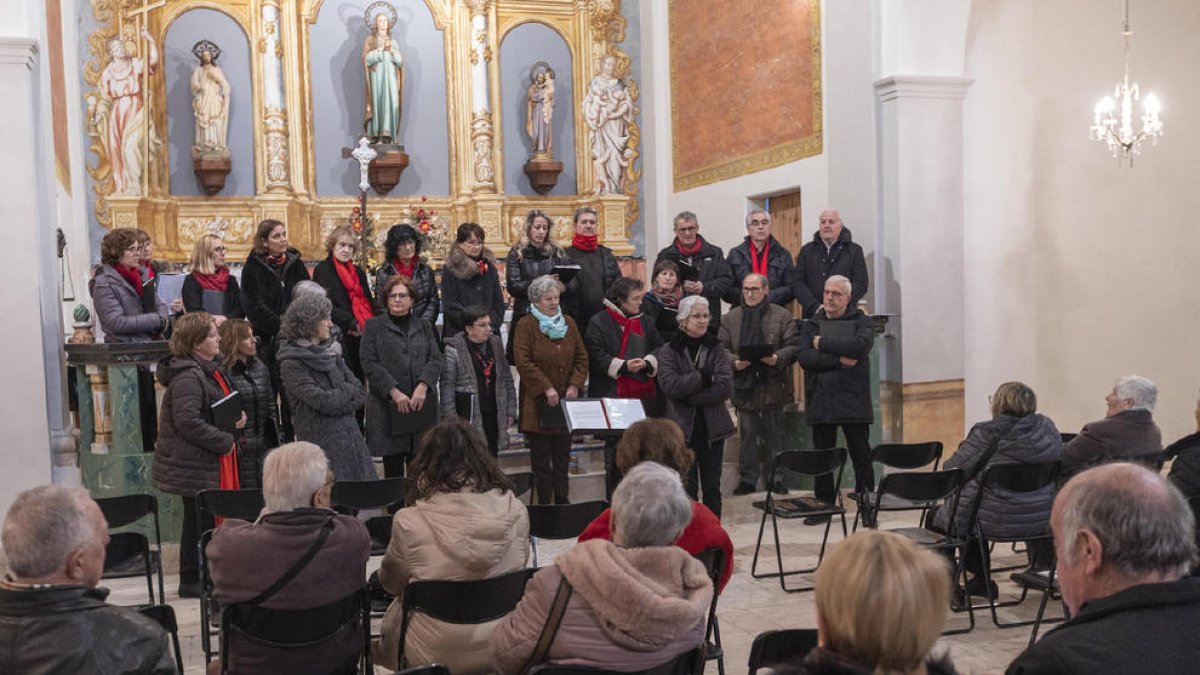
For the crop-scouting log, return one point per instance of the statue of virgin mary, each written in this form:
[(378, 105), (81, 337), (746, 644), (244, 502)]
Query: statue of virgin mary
[(383, 67)]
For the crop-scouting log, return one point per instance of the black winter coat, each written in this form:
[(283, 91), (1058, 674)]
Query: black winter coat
[(252, 381), (187, 452), (266, 292), (603, 341), (193, 297), (779, 272), (463, 285), (585, 294), (715, 274), (343, 315), (682, 382), (430, 303), (520, 269), (666, 325), (393, 358), (814, 265), (1185, 472), (834, 393)]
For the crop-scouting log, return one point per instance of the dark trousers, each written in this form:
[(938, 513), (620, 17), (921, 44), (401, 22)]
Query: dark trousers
[(147, 408), (705, 474), (612, 475), (189, 538), (550, 457), (760, 433), (858, 443)]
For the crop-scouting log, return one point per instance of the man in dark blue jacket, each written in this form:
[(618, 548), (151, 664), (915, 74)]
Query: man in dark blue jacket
[(763, 254), (830, 252)]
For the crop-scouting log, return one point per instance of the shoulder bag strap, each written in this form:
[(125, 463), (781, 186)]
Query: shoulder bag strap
[(550, 629), (298, 567)]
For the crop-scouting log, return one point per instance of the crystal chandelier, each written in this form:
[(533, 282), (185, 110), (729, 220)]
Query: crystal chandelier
[(1112, 121)]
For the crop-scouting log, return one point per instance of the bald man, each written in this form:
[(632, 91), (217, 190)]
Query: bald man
[(831, 252)]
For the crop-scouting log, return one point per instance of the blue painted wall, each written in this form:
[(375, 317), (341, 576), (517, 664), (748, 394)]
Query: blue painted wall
[(178, 63), (522, 47), (633, 47), (339, 90)]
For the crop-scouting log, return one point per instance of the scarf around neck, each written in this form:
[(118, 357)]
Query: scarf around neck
[(553, 327), (132, 275), (585, 242), (689, 251), (406, 270), (359, 305), (629, 386), (759, 265), (217, 281), (751, 334)]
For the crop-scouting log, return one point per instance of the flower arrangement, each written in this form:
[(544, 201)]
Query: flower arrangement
[(367, 255), (434, 240)]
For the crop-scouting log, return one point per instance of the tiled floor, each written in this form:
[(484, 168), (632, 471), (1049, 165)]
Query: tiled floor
[(747, 607)]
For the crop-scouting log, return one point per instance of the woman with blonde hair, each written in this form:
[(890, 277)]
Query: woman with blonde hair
[(881, 604), (535, 254), (209, 286)]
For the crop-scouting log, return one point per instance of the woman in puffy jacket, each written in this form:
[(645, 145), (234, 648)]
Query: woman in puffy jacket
[(249, 376), (534, 255)]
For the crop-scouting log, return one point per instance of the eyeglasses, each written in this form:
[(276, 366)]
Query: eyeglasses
[(752, 289), (691, 228), (765, 221), (398, 296)]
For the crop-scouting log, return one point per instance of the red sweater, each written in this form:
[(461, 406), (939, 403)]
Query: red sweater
[(703, 532)]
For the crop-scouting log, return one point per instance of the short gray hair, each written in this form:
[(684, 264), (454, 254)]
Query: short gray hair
[(303, 315), (685, 216), (540, 286), (839, 279), (761, 277), (1138, 389), (750, 215), (582, 210), (650, 507), (1143, 522), (292, 474), (44, 526), (688, 305), (308, 287)]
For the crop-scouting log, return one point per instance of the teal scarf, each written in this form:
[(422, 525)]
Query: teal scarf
[(553, 327)]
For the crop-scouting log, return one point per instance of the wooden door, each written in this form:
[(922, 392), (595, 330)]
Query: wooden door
[(786, 226)]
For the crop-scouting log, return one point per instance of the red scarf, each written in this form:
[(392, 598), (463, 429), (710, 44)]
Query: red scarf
[(629, 387), (149, 269), (585, 242), (406, 270), (689, 252), (359, 305), (275, 260), (217, 281), (132, 275), (228, 478), (757, 265)]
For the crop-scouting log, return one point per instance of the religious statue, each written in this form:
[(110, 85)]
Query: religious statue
[(210, 101), (608, 112), (118, 116), (383, 67), (540, 111)]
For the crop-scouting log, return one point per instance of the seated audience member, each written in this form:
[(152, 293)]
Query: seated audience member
[(1016, 434), (463, 523), (881, 603), (247, 559), (636, 602), (1124, 538), (1185, 472), (661, 441), (1127, 432), (53, 619)]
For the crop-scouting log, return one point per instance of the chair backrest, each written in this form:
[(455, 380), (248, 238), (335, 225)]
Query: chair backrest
[(295, 629), (522, 482), (244, 504), (810, 462), (1014, 478), (1067, 438), (164, 615), (431, 669), (368, 494), (924, 486), (714, 563), (126, 509), (778, 646), (908, 455), (687, 663), (562, 521)]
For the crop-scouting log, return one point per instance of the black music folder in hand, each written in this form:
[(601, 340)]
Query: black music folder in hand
[(417, 421), (566, 272), (551, 416), (753, 353), (668, 320), (836, 329), (227, 412), (687, 271)]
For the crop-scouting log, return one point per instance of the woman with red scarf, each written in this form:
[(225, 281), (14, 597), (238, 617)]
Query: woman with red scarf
[(620, 344), (210, 287), (118, 289), (346, 284), (402, 255)]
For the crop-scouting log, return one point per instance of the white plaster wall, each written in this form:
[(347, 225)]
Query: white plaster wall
[(1097, 263)]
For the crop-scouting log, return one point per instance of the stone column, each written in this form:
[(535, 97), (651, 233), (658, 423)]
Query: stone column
[(274, 151), (482, 155)]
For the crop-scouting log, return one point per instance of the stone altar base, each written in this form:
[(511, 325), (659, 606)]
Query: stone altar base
[(211, 171), (384, 171), (543, 174)]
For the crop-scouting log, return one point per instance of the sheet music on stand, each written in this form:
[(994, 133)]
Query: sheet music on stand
[(602, 415)]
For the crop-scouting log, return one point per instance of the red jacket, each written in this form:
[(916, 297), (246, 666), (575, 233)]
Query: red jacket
[(703, 532)]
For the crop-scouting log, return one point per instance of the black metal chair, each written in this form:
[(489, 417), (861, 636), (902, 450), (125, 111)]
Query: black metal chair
[(902, 456), (778, 646), (687, 663), (462, 602), (714, 564), (129, 554), (299, 629), (1067, 438), (1045, 581), (522, 482), (560, 521), (164, 615), (431, 669), (244, 504), (805, 463), (357, 495), (1012, 479)]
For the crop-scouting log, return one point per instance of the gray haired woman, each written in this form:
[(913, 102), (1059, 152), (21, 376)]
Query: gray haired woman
[(321, 389)]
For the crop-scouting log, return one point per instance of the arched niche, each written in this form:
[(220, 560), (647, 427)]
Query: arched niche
[(523, 46), (178, 64), (339, 93)]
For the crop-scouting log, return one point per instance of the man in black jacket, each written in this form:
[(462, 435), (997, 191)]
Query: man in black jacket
[(830, 252), (585, 293), (1124, 539), (763, 254), (695, 256), (53, 619)]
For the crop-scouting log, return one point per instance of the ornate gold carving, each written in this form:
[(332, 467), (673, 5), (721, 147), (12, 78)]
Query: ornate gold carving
[(481, 142), (232, 230), (609, 25)]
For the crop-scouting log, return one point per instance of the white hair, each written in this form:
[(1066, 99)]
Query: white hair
[(292, 474), (308, 287), (688, 305), (845, 283), (540, 286), (650, 507), (750, 216), (1140, 390), (44, 526)]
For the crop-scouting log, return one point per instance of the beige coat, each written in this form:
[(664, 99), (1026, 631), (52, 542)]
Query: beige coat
[(450, 536)]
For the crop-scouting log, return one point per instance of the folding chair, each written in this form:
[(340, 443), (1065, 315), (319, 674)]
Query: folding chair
[(522, 482), (164, 615), (129, 554), (714, 564), (431, 669), (903, 456), (687, 663), (560, 521), (1044, 581), (357, 495), (462, 602), (300, 628), (244, 504), (806, 463), (778, 646)]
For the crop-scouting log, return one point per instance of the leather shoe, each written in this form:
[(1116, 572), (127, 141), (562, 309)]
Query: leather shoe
[(816, 520), (984, 588), (743, 489), (779, 489)]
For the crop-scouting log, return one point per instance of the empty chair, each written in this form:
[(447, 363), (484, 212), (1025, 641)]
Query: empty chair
[(129, 554), (560, 521), (777, 646), (903, 456), (358, 495)]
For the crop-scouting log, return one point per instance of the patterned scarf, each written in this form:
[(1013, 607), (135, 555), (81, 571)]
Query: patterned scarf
[(553, 327)]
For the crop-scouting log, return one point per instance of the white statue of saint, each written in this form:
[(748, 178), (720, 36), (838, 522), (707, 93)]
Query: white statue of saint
[(608, 112), (118, 114), (539, 122), (210, 101)]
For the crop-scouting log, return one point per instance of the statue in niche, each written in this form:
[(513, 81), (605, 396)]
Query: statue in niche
[(118, 116), (608, 111), (383, 67), (540, 110), (210, 101)]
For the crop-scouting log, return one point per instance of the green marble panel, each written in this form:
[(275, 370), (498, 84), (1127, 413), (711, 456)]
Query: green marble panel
[(87, 416), (113, 475), (126, 420)]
